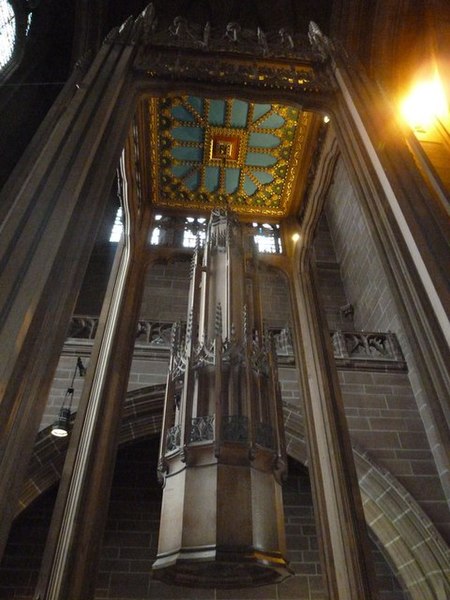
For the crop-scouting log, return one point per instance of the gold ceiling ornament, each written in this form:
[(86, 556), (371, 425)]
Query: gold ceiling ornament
[(227, 152)]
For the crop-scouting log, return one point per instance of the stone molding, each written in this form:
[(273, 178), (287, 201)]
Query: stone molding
[(362, 350)]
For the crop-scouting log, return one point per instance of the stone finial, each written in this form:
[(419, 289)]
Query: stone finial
[(189, 326), (180, 29), (347, 311), (286, 38), (149, 21), (232, 31), (126, 29), (245, 321), (318, 40), (206, 35), (262, 41)]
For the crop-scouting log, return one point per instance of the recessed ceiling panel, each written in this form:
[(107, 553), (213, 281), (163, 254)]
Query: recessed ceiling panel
[(208, 152)]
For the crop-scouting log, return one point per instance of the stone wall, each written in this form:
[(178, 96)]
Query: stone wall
[(130, 542), (145, 370), (166, 291), (367, 289), (383, 418), (332, 292), (275, 301)]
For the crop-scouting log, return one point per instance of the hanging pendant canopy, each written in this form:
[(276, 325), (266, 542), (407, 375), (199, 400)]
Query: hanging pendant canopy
[(222, 453)]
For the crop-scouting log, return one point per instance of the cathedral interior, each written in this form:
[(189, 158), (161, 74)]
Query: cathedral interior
[(224, 355)]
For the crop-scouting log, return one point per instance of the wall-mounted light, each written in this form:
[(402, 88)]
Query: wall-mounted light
[(60, 427), (425, 104), (295, 237)]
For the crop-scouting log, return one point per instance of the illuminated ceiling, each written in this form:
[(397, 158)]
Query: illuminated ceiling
[(208, 152)]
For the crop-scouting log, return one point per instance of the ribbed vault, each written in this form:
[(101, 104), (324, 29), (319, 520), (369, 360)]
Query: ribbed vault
[(416, 550)]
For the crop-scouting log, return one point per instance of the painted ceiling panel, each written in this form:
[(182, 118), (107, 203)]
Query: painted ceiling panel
[(260, 160), (209, 152), (239, 112)]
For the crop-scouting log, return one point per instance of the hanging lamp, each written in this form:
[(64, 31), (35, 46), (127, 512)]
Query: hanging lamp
[(61, 425), (222, 452)]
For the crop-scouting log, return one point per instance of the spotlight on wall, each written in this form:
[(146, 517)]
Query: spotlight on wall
[(60, 427), (425, 104)]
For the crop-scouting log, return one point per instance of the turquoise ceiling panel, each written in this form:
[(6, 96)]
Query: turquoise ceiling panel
[(213, 151), (180, 171), (258, 159), (259, 110), (262, 176), (216, 114), (196, 103), (187, 153), (273, 121), (263, 140), (212, 178), (180, 112), (249, 186), (232, 180), (239, 112), (193, 180), (188, 134)]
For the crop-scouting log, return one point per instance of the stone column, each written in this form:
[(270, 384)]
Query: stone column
[(345, 554), (54, 203), (338, 509), (73, 546)]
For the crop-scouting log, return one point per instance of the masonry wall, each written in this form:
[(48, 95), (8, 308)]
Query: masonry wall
[(166, 291), (332, 293), (130, 542), (381, 409), (400, 439)]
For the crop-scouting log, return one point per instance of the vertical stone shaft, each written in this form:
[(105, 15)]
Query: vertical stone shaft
[(345, 555), (74, 543), (337, 501), (59, 194)]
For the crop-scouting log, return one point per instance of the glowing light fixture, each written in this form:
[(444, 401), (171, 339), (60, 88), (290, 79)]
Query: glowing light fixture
[(60, 427), (295, 237), (426, 103)]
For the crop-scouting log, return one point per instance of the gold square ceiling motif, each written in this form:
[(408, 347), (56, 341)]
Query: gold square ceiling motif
[(224, 147), (208, 152)]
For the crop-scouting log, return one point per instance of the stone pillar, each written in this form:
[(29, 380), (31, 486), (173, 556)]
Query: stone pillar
[(337, 503), (75, 537), (55, 201), (345, 553)]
